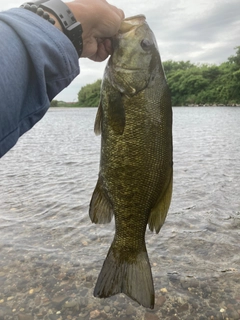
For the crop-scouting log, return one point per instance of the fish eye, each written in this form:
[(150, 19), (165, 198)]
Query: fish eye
[(146, 44)]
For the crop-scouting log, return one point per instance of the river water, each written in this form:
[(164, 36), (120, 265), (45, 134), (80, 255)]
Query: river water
[(51, 254)]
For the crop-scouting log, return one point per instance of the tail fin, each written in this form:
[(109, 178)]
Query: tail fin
[(133, 278)]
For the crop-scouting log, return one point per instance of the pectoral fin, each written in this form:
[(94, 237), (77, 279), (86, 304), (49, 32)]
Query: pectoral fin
[(159, 212), (116, 112), (100, 210)]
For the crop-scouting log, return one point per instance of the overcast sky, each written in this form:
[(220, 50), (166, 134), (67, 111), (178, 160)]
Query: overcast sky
[(201, 31)]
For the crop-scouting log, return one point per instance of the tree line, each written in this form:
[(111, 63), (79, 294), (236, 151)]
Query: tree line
[(204, 84), (189, 83)]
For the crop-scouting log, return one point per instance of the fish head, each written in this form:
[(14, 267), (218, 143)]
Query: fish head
[(135, 57)]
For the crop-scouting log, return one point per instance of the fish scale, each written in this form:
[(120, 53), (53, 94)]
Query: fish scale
[(135, 177)]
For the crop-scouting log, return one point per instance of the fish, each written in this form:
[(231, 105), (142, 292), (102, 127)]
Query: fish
[(135, 177)]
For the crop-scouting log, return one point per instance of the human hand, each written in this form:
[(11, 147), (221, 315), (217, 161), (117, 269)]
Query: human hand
[(100, 21)]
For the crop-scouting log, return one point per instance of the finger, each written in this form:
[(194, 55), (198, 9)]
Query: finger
[(119, 12), (101, 53), (108, 46)]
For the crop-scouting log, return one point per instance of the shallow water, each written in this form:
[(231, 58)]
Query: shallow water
[(51, 254)]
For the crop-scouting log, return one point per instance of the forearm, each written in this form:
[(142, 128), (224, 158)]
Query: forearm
[(37, 62)]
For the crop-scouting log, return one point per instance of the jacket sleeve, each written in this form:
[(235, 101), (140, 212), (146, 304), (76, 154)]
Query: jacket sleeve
[(37, 61)]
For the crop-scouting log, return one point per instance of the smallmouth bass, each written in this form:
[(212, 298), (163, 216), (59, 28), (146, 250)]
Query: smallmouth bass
[(134, 119)]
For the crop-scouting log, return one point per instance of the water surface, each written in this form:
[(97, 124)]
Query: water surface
[(51, 254)]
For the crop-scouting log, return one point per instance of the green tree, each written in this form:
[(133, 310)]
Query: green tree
[(200, 84), (89, 95), (54, 103), (171, 65), (235, 59), (189, 83)]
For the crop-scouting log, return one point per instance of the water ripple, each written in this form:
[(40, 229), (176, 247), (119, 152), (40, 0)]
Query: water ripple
[(47, 180)]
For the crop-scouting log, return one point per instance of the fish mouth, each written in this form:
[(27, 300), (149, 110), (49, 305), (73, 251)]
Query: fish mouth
[(131, 22), (127, 25), (139, 18)]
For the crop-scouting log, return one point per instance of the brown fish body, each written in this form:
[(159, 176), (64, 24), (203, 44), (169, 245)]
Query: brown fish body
[(135, 178)]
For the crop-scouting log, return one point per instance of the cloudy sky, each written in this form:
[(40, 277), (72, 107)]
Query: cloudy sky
[(201, 31)]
